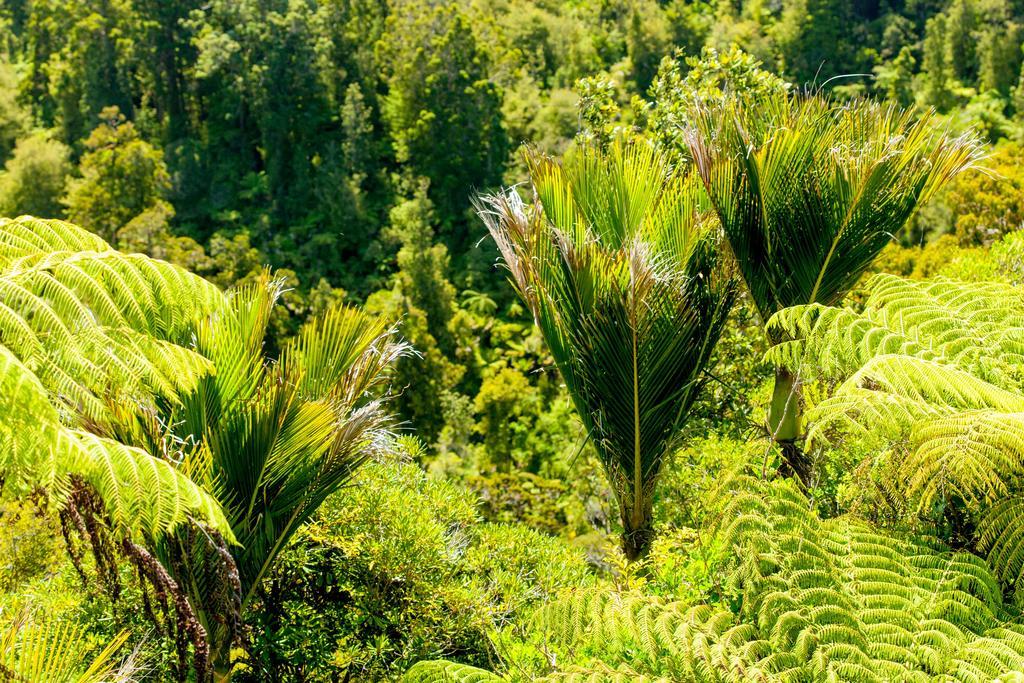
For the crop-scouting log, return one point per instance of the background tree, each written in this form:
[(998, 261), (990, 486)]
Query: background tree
[(34, 178), (122, 176), (430, 111)]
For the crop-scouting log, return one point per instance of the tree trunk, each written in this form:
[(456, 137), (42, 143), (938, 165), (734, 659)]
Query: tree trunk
[(637, 531), (784, 425)]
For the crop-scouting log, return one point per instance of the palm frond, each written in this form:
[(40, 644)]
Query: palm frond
[(810, 191), (276, 438), (48, 649)]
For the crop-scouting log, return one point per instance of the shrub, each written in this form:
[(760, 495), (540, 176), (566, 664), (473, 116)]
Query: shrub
[(396, 569)]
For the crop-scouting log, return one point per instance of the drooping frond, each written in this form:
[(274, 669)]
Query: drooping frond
[(809, 191), (98, 327), (86, 348), (440, 671), (978, 327), (617, 259), (139, 491)]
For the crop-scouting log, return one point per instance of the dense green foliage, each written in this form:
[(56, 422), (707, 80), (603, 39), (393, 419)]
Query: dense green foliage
[(270, 409)]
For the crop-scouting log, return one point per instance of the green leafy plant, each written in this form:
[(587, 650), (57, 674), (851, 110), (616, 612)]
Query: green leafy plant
[(88, 353), (50, 650), (802, 599), (930, 371), (272, 440), (618, 262), (809, 192)]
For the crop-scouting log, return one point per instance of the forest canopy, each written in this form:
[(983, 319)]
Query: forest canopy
[(511, 340)]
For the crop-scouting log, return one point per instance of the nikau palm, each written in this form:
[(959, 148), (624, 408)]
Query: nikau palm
[(617, 260), (272, 440), (809, 192), (139, 396)]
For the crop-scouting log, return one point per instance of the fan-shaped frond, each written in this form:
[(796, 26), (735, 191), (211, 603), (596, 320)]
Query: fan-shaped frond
[(273, 439), (809, 191)]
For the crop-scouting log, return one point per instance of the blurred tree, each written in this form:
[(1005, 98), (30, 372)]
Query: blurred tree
[(987, 206), (442, 111), (14, 120), (122, 176), (34, 178)]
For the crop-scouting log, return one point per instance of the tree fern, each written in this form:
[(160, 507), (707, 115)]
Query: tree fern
[(803, 599), (933, 369), (97, 327), (440, 671), (141, 493)]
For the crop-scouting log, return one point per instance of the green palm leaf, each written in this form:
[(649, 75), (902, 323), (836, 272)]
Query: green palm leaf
[(275, 439)]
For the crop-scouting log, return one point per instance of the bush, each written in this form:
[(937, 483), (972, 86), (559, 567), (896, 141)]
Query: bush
[(988, 205), (34, 178), (396, 569)]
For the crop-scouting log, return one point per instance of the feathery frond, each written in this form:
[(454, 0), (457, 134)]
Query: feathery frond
[(933, 368), (817, 600), (78, 350)]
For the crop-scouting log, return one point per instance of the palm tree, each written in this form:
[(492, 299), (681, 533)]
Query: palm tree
[(272, 440), (619, 265), (809, 192), (138, 395)]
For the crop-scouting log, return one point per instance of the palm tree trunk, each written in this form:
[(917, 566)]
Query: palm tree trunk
[(637, 531), (784, 425)]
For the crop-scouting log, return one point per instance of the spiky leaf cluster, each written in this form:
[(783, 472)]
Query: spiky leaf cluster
[(810, 190)]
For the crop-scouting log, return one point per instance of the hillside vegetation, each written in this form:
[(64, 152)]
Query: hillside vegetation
[(511, 340)]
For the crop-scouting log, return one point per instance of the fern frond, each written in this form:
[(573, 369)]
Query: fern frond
[(439, 671)]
